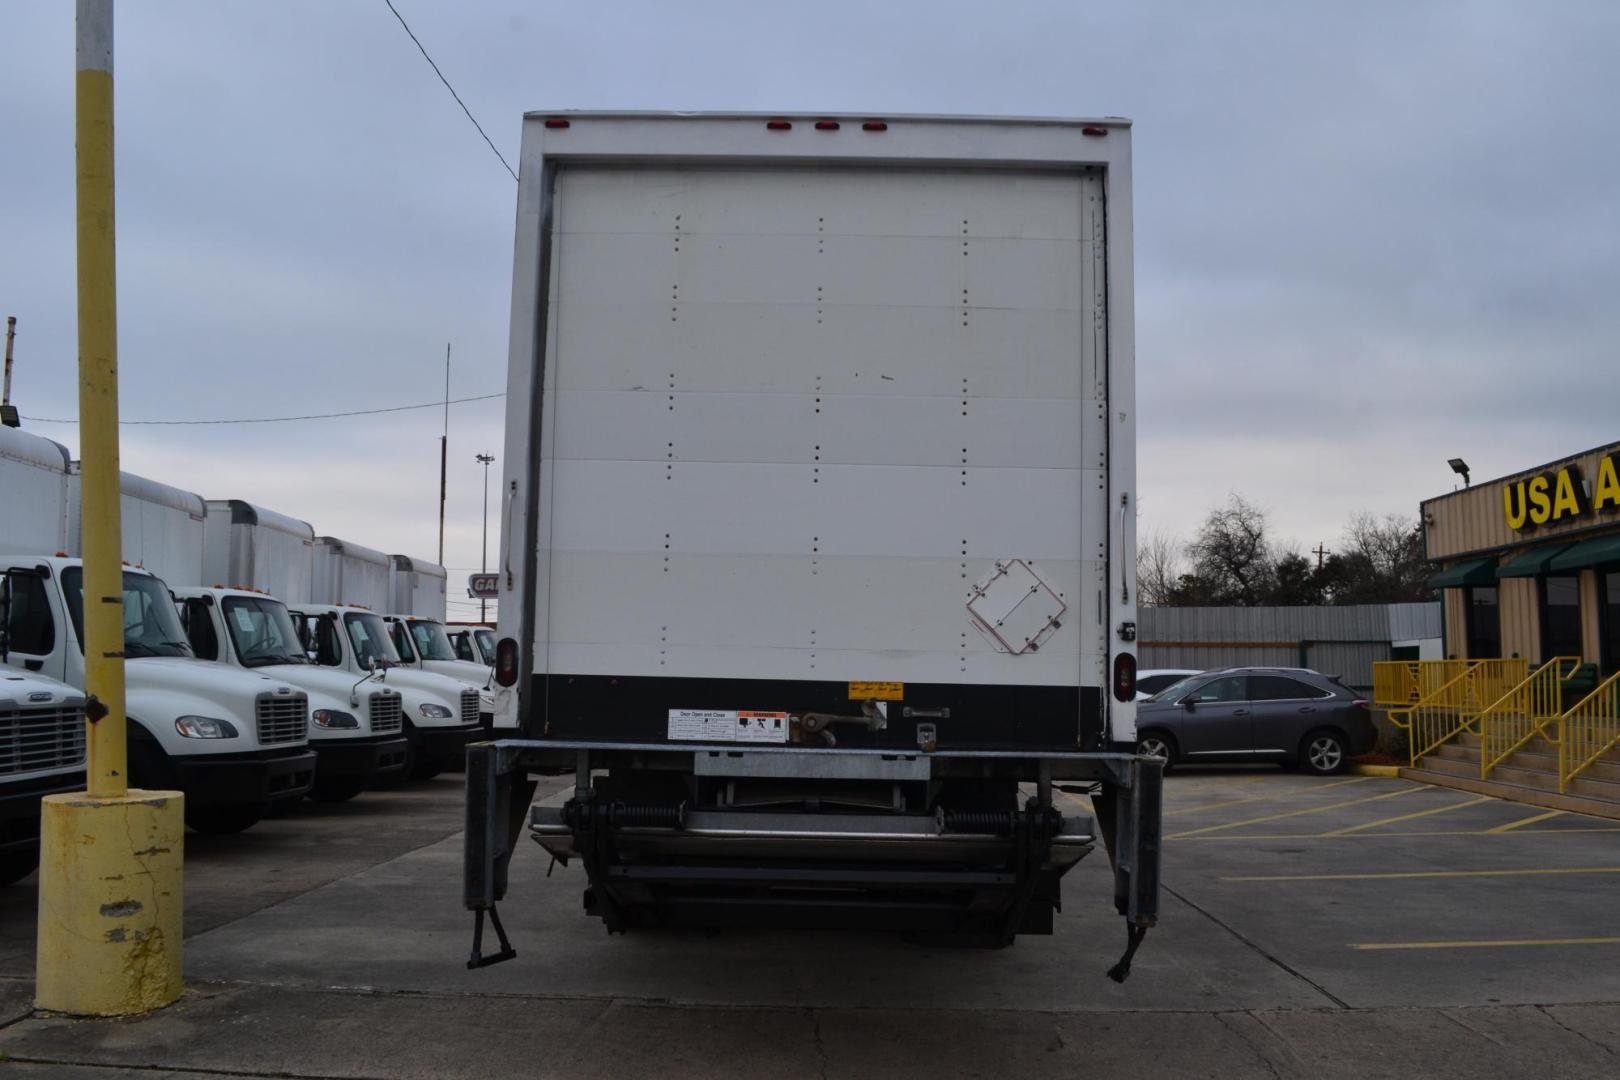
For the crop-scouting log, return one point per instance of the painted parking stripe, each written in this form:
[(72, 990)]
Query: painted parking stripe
[(1505, 943), (1402, 834), (1531, 820), (1408, 817), (1297, 813), (1284, 793), (1405, 874)]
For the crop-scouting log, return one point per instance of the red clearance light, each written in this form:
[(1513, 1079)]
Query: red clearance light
[(875, 125), (1094, 132), (826, 125), (556, 122), (506, 661), (778, 125), (1124, 677)]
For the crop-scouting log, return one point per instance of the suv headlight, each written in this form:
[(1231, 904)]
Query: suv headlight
[(331, 718), (205, 727), (434, 712)]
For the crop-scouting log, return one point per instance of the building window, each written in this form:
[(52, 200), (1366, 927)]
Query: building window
[(1560, 616), (1609, 607), (1484, 623)]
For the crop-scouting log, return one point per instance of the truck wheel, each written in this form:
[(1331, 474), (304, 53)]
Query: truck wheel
[(16, 866), (1157, 744), (1323, 753), (223, 820)]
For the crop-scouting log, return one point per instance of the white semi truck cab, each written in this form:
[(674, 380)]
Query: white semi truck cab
[(441, 714), (232, 741), (424, 644), (41, 753), (474, 642), (816, 563), (356, 722)]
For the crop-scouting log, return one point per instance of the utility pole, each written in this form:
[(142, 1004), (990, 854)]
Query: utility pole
[(109, 939), (1321, 552), (8, 412), (483, 558), (444, 450)]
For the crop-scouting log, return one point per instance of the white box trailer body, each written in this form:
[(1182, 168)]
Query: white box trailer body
[(416, 587), (349, 574), (163, 527), (820, 434), (35, 487), (247, 546)]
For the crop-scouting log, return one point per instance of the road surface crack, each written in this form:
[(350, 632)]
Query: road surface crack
[(821, 1047), (1255, 946), (1605, 1047), (1254, 1047)]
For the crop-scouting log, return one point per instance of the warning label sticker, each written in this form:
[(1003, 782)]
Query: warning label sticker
[(728, 725), (877, 691)]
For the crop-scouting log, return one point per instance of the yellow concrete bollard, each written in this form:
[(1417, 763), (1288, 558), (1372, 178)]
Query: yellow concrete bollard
[(110, 903)]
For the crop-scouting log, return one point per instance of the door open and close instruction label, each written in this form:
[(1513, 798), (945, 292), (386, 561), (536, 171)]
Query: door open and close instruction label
[(728, 725)]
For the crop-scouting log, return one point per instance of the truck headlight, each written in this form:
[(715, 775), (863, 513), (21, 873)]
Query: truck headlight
[(434, 712), (205, 727), (331, 718)]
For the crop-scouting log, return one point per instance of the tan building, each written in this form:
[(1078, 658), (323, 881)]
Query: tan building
[(1530, 563)]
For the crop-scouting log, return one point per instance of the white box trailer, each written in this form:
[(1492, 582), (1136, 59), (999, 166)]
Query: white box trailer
[(349, 574), (35, 490), (816, 561), (416, 587), (163, 527), (247, 546)]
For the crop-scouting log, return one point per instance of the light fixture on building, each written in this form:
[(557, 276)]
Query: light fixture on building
[(1460, 467)]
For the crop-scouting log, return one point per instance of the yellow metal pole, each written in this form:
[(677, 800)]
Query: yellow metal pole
[(110, 897), (107, 774)]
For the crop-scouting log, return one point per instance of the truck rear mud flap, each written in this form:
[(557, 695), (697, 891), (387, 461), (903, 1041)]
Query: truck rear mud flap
[(967, 873)]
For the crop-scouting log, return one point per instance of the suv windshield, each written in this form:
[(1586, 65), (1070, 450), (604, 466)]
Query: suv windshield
[(369, 637), (151, 625), (261, 631), (432, 642)]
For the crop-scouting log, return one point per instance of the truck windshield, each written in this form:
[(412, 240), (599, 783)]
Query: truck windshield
[(486, 644), (151, 625), (369, 637), (432, 641), (261, 631)]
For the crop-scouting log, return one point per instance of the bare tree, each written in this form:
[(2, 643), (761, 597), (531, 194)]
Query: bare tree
[(1158, 568), (1381, 561), (1232, 557)]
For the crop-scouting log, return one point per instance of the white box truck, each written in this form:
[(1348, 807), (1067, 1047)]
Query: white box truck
[(247, 546), (349, 574), (416, 587), (816, 544), (42, 746), (35, 487), (163, 527)]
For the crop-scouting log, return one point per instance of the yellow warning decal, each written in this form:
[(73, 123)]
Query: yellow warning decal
[(877, 691)]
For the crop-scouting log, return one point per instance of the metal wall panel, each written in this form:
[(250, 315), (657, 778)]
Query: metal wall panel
[(1472, 520)]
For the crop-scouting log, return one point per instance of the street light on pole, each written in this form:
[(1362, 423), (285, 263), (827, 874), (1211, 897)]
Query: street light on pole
[(483, 559)]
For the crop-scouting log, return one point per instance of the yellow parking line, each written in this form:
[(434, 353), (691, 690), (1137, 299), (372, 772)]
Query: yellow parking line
[(1282, 794), (1531, 820), (1399, 874), (1408, 817), (1504, 943), (1295, 813), (1399, 833)]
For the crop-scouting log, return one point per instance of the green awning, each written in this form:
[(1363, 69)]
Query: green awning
[(1531, 563), (1594, 552), (1462, 574)]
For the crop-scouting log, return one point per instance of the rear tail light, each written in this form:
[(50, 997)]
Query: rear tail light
[(1124, 677), (506, 661), (556, 122), (778, 125)]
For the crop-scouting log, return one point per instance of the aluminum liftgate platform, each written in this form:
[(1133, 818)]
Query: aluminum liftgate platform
[(976, 876)]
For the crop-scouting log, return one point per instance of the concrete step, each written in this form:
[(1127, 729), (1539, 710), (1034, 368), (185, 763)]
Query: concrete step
[(1607, 806), (1591, 788), (1457, 752), (1449, 766)]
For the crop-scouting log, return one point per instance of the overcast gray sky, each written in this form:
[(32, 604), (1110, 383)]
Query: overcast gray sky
[(1369, 236)]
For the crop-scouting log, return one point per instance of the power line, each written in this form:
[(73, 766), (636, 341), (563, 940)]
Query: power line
[(447, 85), (285, 419)]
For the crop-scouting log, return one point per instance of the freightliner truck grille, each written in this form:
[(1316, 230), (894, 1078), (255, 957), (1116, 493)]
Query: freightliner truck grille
[(386, 712), (33, 739), (469, 706), (283, 718)]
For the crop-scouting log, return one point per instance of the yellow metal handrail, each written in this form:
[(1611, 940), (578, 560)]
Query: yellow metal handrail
[(1588, 730), (1406, 682), (1524, 712), (1450, 708)]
